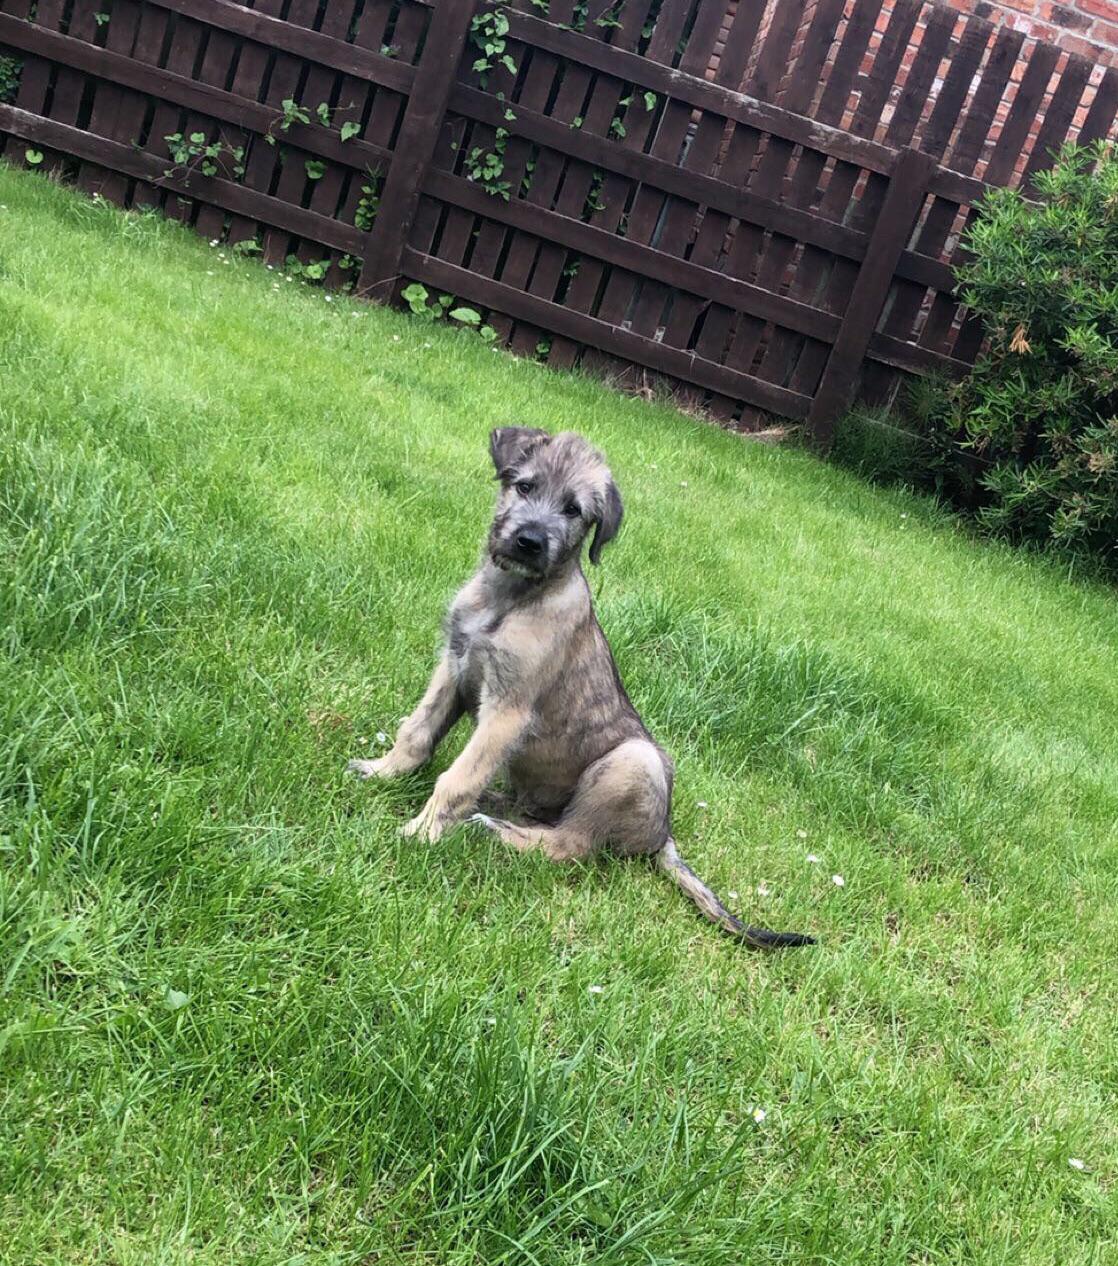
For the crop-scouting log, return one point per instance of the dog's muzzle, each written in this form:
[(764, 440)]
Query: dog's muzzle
[(523, 553)]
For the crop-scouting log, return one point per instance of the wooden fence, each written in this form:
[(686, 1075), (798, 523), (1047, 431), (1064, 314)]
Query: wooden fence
[(769, 225)]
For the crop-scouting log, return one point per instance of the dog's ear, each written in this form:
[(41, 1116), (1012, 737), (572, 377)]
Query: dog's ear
[(510, 444), (608, 522)]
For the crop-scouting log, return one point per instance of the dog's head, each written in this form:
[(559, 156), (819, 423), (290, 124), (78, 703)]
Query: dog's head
[(554, 489)]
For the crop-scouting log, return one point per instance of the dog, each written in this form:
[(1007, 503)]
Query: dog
[(525, 656)]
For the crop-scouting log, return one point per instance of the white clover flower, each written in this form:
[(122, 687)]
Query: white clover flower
[(758, 1114), (762, 890), (1076, 1163), (801, 834), (838, 881), (595, 989), (732, 895), (382, 737), (701, 804), (812, 857)]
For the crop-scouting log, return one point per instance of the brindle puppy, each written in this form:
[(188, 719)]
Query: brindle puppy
[(526, 658)]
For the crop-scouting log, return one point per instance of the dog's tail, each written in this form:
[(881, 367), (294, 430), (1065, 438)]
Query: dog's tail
[(758, 938)]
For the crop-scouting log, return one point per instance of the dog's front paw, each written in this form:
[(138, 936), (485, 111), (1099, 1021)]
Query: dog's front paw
[(382, 767), (429, 824)]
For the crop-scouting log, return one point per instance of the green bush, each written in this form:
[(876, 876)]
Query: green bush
[(1040, 411), (1028, 443)]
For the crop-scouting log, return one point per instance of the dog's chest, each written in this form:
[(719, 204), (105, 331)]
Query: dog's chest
[(469, 647)]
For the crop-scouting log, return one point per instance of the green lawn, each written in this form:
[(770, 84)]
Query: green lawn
[(242, 1021)]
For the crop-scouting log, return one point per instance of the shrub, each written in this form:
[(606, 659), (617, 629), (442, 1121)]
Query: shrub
[(1041, 408)]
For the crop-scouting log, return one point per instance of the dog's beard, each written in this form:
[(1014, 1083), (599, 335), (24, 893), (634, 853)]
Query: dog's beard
[(515, 568)]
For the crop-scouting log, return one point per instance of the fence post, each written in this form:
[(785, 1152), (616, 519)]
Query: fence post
[(435, 75), (908, 185)]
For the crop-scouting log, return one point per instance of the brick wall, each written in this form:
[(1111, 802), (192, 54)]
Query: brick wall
[(1080, 29), (1086, 27)]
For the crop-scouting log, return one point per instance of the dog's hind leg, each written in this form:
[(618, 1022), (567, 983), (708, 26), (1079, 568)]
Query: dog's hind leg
[(621, 799)]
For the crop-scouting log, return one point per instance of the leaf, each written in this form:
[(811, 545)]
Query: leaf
[(199, 138), (487, 334), (510, 117), (508, 64), (315, 169), (349, 130), (415, 296), (650, 99), (467, 316), (34, 157), (175, 999), (100, 18), (323, 112)]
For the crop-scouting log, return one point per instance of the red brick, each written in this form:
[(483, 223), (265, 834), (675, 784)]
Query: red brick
[(1103, 33), (1073, 44), (1107, 9)]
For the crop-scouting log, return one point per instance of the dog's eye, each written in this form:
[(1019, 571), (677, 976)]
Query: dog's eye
[(571, 510), (524, 487)]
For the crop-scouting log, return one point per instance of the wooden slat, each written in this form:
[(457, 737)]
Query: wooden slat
[(1100, 117), (399, 198), (624, 294), (1007, 151), (831, 287), (254, 24), (182, 91), (898, 212), (715, 225), (578, 178), (589, 330), (773, 264), (388, 105), (1058, 115), (222, 193), (908, 300), (702, 93), (944, 213), (644, 260), (666, 176), (110, 115)]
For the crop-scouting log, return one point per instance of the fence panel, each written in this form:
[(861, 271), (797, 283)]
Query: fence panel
[(755, 205)]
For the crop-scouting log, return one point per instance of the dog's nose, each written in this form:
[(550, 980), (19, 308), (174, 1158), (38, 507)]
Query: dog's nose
[(530, 542)]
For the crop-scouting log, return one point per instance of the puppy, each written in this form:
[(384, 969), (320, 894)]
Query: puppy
[(526, 657)]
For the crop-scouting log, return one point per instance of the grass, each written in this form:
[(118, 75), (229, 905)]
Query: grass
[(242, 1021)]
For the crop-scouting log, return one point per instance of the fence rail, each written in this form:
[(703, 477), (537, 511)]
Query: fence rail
[(776, 233)]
